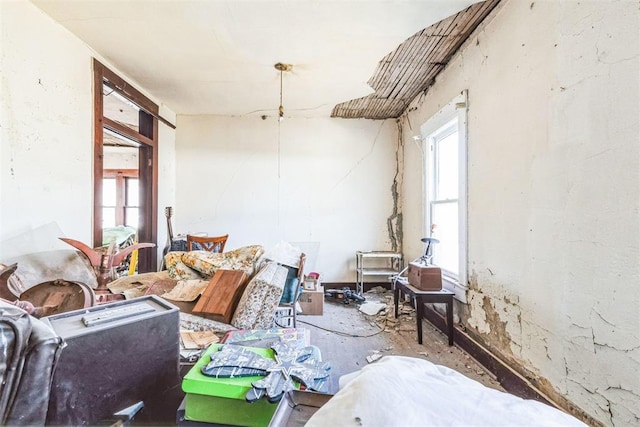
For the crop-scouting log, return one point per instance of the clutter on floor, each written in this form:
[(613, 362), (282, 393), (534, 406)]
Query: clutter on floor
[(240, 381), (212, 319)]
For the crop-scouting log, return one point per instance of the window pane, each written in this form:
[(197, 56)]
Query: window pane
[(108, 192), (108, 217), (133, 192), (445, 218), (131, 217), (447, 167)]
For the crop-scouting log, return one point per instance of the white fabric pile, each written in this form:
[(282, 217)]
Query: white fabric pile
[(405, 391)]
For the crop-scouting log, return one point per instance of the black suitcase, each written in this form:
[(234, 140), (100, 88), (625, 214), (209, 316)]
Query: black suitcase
[(28, 352), (117, 355)]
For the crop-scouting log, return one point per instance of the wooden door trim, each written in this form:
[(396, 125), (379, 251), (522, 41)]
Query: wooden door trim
[(148, 174)]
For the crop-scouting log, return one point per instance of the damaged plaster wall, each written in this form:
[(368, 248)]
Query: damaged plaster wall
[(46, 125), (321, 183), (394, 221), (553, 196)]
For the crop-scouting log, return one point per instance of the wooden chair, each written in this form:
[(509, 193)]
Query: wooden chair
[(211, 244)]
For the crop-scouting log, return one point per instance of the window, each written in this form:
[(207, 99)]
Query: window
[(120, 198), (445, 191), (443, 200)]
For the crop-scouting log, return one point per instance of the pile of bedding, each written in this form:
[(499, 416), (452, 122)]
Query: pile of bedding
[(406, 391)]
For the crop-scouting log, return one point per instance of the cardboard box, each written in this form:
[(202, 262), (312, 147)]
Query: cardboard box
[(312, 302), (311, 284), (425, 277), (222, 400)]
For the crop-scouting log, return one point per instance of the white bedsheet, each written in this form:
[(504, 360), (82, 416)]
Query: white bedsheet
[(405, 391)]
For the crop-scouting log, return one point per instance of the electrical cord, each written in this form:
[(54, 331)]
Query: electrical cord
[(397, 276), (346, 334)]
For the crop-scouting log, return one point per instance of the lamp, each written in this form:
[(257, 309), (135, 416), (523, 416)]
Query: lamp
[(282, 67), (428, 255)]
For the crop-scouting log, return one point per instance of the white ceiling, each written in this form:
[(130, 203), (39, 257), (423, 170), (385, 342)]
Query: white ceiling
[(218, 56)]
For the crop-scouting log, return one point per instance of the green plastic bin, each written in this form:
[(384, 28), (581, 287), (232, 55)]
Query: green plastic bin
[(222, 400)]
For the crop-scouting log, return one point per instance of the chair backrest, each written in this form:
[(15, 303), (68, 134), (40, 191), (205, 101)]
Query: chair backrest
[(303, 259), (211, 244)]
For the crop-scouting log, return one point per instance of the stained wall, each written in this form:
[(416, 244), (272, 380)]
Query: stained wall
[(553, 195)]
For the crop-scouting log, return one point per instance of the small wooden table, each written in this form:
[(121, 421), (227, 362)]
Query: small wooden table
[(422, 297)]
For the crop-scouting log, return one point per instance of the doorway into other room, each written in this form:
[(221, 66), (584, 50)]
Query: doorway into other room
[(125, 166)]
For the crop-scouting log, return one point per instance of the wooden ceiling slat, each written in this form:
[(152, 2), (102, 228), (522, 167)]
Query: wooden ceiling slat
[(469, 25), (390, 78), (411, 68), (382, 69), (464, 29), (411, 54), (436, 39), (417, 55)]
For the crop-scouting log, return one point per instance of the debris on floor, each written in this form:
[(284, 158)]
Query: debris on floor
[(372, 308), (364, 339), (373, 357)]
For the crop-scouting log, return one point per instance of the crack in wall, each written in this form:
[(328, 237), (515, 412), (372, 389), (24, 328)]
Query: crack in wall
[(394, 221), (354, 167), (593, 310), (598, 344)]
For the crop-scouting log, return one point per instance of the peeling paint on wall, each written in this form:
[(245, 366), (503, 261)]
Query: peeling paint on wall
[(394, 221), (553, 214), (497, 326), (497, 321)]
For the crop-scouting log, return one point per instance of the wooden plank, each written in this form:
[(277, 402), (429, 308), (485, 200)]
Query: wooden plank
[(438, 34), (222, 295), (127, 132), (98, 155), (411, 68)]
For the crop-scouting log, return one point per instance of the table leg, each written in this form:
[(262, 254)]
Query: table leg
[(396, 297), (419, 312), (450, 320)]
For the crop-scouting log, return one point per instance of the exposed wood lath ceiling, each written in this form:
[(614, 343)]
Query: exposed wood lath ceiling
[(414, 65)]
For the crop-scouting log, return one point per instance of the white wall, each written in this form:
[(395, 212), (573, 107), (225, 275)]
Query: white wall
[(120, 157), (46, 122), (324, 183), (554, 195), (46, 125)]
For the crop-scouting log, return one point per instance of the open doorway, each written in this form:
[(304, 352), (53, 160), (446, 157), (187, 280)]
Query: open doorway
[(125, 166)]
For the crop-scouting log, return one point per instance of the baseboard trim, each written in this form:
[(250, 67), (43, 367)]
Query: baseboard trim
[(509, 379)]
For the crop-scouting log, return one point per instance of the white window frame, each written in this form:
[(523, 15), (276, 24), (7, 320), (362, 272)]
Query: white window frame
[(456, 110)]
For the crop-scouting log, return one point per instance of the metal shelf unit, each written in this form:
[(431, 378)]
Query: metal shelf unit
[(376, 263)]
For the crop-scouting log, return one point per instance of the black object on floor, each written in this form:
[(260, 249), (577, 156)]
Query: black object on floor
[(117, 354)]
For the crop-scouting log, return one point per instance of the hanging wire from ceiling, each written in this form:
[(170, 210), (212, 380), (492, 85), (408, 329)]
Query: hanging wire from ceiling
[(280, 108), (282, 68)]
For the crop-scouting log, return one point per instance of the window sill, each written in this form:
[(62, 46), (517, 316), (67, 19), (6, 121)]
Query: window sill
[(457, 288)]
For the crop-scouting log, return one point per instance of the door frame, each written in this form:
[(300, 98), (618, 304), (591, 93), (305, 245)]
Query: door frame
[(147, 136)]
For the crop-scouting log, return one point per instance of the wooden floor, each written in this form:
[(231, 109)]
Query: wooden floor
[(346, 337)]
